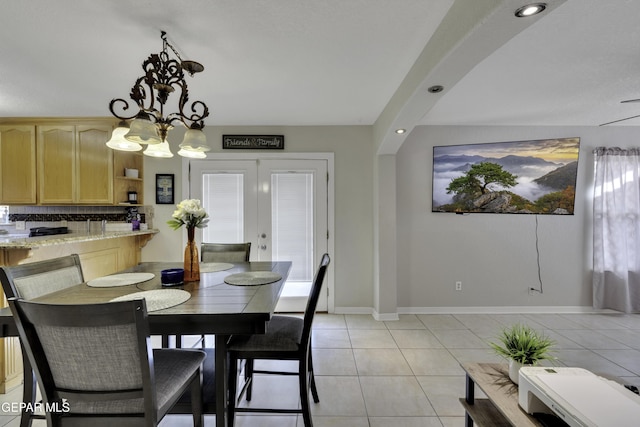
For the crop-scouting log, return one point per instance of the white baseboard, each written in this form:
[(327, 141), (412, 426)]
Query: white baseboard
[(470, 310), (367, 310), (501, 310), (353, 310), (384, 317)]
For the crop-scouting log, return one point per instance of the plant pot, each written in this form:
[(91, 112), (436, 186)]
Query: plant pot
[(514, 370)]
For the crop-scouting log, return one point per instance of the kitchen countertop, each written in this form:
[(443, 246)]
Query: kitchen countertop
[(14, 241)]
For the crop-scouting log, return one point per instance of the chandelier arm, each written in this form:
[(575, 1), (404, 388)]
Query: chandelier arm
[(198, 108), (124, 107), (200, 112)]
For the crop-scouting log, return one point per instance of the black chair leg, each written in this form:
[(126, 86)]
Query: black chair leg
[(304, 393), (29, 390), (232, 384), (196, 400), (312, 380), (248, 375)]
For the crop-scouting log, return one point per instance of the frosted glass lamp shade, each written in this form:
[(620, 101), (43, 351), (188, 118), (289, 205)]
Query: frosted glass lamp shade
[(118, 142), (158, 150), (143, 131), (194, 140), (192, 154)]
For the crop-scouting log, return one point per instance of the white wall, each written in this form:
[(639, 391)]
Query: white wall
[(493, 255), (353, 258)]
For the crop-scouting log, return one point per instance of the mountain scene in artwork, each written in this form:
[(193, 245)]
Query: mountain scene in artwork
[(527, 177)]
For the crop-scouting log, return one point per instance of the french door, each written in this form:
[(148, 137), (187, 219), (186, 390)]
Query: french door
[(279, 205)]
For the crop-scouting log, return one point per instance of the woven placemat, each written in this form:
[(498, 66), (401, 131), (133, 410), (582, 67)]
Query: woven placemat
[(252, 278), (122, 279), (212, 267), (158, 299)]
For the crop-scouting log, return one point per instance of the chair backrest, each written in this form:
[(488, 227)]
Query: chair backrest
[(312, 302), (225, 252), (97, 356), (29, 281)]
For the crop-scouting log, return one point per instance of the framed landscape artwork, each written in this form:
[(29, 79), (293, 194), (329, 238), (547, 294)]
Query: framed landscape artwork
[(518, 177)]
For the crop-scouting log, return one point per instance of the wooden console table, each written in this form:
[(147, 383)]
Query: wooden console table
[(501, 406)]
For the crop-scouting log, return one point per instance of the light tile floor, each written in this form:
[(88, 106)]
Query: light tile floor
[(407, 373)]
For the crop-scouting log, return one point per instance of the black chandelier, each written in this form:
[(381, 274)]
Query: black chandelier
[(162, 77)]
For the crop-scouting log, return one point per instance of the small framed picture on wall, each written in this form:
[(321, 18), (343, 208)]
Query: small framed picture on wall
[(164, 189)]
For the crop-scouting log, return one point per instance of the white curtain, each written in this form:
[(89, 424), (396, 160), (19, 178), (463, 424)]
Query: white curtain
[(616, 229)]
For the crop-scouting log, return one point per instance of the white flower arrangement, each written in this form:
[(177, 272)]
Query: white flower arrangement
[(189, 213)]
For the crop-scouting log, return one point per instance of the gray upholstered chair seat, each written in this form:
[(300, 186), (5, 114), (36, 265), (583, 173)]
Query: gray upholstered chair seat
[(173, 367), (283, 334)]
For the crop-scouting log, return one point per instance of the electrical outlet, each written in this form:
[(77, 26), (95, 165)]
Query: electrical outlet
[(458, 286), (21, 225)]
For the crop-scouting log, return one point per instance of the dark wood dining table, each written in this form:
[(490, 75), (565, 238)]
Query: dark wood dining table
[(214, 308)]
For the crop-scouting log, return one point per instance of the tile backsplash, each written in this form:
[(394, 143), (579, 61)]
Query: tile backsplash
[(74, 217)]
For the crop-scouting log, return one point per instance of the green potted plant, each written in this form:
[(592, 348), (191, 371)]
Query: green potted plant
[(522, 345)]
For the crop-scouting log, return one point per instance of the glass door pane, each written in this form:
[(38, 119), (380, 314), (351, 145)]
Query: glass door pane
[(224, 202), (292, 225)]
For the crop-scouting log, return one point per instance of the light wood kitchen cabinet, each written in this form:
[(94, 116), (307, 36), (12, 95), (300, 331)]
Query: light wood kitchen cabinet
[(56, 164), (65, 161), (74, 165), (94, 174), (17, 164)]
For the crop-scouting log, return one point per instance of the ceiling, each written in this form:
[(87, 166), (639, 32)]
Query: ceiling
[(328, 62)]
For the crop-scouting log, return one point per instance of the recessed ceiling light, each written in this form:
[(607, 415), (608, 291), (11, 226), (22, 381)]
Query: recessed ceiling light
[(530, 9), (400, 131)]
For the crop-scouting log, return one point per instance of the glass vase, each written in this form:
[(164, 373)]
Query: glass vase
[(191, 262)]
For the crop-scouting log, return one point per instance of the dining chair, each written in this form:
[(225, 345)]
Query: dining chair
[(225, 252), (95, 365), (28, 281), (217, 252), (287, 338)]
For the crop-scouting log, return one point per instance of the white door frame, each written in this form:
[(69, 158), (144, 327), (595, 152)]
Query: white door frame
[(329, 157)]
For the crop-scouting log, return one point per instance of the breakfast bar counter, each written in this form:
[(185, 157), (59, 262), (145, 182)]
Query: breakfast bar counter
[(25, 242)]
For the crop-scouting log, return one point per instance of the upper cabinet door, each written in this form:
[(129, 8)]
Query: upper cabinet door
[(56, 164), (94, 170), (17, 164)]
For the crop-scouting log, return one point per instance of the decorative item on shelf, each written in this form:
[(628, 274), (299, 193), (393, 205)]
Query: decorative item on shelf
[(132, 196), (522, 345), (192, 215), (131, 173), (149, 125)]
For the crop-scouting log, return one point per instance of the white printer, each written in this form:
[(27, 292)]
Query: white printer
[(578, 397)]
